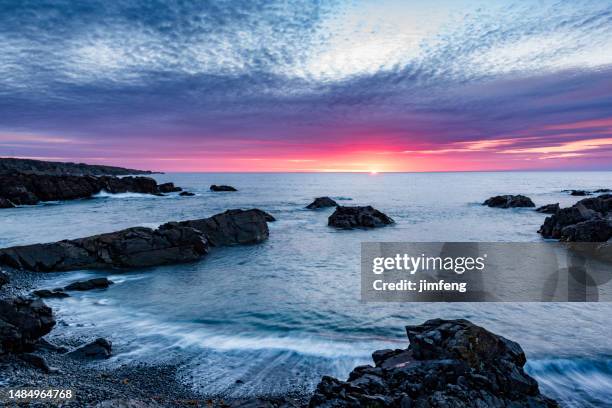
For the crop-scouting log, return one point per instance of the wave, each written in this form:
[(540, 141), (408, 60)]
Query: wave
[(106, 194)]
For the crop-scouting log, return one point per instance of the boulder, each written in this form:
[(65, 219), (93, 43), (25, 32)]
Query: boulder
[(593, 230), (186, 194), (232, 227), (322, 202), (97, 349), (96, 283), (358, 217), (50, 293), (578, 193), (215, 187), (38, 362), (592, 209), (548, 208), (449, 363), (509, 201), (22, 322), (169, 188)]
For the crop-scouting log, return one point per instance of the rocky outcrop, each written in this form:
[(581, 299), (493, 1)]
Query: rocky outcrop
[(509, 201), (174, 242), (322, 202), (97, 349), (169, 188), (358, 217), (28, 166), (215, 187), (30, 189), (50, 293), (22, 322), (95, 283), (586, 221), (578, 193), (232, 227), (449, 363), (548, 208), (186, 194)]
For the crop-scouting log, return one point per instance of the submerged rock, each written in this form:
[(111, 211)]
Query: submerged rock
[(215, 187), (29, 189), (97, 349), (586, 221), (578, 192), (322, 202), (358, 217), (186, 194), (509, 201), (22, 322), (169, 188), (96, 283), (50, 293), (548, 208), (174, 242), (449, 363)]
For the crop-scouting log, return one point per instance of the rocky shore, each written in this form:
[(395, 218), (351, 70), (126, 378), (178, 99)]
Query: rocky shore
[(29, 166), (29, 189)]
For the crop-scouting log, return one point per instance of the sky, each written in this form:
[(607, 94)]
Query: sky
[(253, 85)]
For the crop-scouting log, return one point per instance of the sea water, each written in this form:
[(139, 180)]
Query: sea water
[(274, 317)]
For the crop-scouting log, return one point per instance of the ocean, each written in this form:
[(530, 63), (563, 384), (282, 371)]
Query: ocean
[(273, 318)]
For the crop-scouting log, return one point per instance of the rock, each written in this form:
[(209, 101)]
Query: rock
[(47, 293), (322, 202), (267, 217), (548, 208), (169, 188), (43, 344), (171, 243), (186, 194), (509, 201), (97, 349), (215, 187), (603, 190), (22, 322), (449, 363), (28, 166), (358, 217), (590, 213), (578, 192), (29, 189), (4, 278), (37, 361), (6, 203), (232, 227), (96, 283)]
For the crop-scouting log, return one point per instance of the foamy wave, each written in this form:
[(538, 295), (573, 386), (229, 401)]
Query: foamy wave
[(106, 194)]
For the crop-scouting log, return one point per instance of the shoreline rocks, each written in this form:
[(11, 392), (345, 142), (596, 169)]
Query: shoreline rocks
[(509, 201), (30, 189), (217, 188), (321, 202), (358, 217), (548, 208), (173, 242), (100, 348), (169, 188), (95, 283), (22, 322), (29, 166), (449, 363)]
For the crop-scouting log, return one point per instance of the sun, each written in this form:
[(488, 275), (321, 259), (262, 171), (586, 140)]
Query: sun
[(373, 173)]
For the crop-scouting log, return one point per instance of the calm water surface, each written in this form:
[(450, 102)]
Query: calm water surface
[(280, 314)]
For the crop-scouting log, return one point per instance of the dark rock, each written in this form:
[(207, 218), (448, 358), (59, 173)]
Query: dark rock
[(28, 166), (169, 188), (578, 192), (37, 361), (603, 190), (267, 217), (6, 203), (4, 278), (322, 202), (96, 283), (47, 293), (509, 201), (358, 217), (22, 322), (549, 208), (174, 242), (449, 363), (215, 187), (43, 344), (594, 209), (29, 189), (186, 194), (97, 349), (231, 227), (593, 230)]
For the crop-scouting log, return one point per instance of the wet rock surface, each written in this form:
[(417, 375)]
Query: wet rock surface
[(358, 217), (186, 194), (169, 188), (449, 363), (548, 208), (509, 201), (50, 293), (322, 202), (215, 187), (174, 242), (22, 322), (30, 189), (97, 349), (586, 221), (95, 283)]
